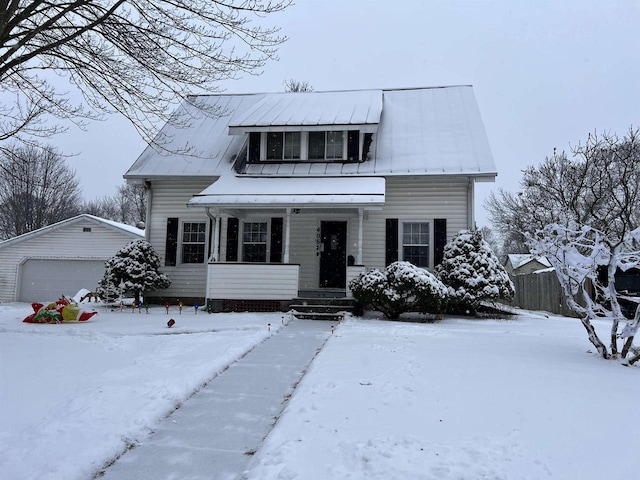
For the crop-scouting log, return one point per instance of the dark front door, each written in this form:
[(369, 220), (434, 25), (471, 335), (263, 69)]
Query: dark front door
[(333, 254)]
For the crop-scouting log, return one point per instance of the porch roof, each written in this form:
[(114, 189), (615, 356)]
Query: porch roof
[(260, 192)]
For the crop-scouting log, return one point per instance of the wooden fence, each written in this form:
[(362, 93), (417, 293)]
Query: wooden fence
[(540, 291)]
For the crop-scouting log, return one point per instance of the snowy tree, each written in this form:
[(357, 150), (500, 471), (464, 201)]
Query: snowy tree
[(401, 287), (579, 253), (593, 228), (597, 185), (472, 272), (136, 265)]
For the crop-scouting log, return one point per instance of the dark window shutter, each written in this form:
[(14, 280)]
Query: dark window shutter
[(366, 145), (276, 240), (353, 144), (391, 245), (171, 245), (439, 239), (233, 225), (254, 147)]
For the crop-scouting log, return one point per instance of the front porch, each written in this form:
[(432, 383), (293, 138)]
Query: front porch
[(275, 238), (266, 287)]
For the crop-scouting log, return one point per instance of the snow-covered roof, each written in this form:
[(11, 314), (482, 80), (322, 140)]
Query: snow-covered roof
[(519, 259), (128, 229), (277, 110), (421, 131), (295, 192)]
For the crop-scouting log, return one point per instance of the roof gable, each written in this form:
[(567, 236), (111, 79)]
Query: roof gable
[(128, 230)]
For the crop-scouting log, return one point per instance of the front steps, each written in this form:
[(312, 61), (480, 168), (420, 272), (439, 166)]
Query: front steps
[(314, 308)]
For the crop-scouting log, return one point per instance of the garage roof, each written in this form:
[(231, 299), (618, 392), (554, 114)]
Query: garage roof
[(136, 232)]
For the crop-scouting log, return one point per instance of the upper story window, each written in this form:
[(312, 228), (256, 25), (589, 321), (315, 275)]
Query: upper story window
[(322, 145), (326, 145), (283, 146)]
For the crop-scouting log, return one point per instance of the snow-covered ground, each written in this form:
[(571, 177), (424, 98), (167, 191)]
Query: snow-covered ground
[(457, 399)]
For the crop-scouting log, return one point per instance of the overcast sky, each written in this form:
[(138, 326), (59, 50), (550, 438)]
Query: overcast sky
[(545, 73)]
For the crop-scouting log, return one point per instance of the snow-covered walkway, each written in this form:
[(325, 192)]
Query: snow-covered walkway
[(213, 435)]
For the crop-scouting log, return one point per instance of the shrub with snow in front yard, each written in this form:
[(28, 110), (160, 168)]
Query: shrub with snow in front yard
[(401, 287), (473, 272)]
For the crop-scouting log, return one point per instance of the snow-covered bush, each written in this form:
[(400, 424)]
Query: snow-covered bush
[(401, 287), (473, 272), (135, 266)]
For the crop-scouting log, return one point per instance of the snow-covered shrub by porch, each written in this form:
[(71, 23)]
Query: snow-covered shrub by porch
[(135, 266), (473, 272), (401, 287)]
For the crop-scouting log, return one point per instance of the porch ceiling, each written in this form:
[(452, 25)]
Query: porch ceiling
[(259, 192)]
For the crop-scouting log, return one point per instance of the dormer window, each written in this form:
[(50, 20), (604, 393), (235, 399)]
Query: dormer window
[(283, 145), (326, 145), (314, 145)]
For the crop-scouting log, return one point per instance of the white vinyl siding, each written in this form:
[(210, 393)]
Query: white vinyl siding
[(415, 199), (169, 200), (235, 281)]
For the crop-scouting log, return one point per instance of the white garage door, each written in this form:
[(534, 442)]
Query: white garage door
[(47, 280)]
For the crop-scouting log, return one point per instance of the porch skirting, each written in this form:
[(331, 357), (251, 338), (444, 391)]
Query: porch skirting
[(252, 281)]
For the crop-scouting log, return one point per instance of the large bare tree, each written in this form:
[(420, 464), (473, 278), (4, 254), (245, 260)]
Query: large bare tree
[(128, 205), (583, 213), (37, 188), (140, 58)]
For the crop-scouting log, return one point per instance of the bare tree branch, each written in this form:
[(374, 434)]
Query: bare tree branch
[(140, 58)]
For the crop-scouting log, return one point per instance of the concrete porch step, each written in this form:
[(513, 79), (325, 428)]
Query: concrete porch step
[(321, 308)]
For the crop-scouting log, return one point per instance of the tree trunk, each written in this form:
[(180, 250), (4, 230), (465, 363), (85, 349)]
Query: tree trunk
[(627, 346), (614, 337), (593, 338)]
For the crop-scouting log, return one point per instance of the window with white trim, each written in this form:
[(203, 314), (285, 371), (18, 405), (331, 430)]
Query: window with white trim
[(316, 145), (193, 242), (254, 241), (283, 145), (326, 145), (415, 243)]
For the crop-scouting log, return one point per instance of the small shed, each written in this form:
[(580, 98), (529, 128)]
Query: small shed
[(60, 259), (524, 263)]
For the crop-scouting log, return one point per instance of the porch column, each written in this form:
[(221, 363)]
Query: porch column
[(216, 239), (360, 227), (215, 254), (287, 236)]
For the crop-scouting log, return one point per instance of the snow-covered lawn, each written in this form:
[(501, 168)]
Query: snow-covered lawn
[(457, 399)]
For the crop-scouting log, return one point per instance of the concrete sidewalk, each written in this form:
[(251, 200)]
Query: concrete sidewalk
[(213, 434)]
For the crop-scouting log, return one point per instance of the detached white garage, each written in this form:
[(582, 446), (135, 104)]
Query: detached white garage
[(60, 259)]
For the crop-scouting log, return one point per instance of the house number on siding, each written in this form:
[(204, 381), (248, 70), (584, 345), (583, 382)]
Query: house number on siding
[(318, 242)]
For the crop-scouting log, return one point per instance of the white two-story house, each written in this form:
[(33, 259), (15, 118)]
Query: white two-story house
[(286, 195)]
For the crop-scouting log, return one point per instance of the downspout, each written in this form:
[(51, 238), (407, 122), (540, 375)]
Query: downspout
[(360, 235), (287, 236), (471, 221), (147, 223)]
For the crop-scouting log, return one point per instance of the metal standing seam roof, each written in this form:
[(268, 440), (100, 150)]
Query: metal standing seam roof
[(362, 107), (421, 131)]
